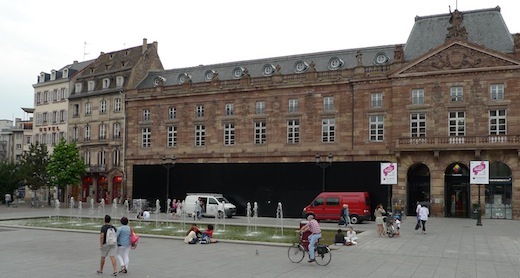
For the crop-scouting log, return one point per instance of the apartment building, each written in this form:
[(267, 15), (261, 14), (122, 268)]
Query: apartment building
[(257, 130), (97, 117)]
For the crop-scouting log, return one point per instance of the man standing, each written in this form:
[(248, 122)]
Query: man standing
[(107, 249), (7, 199), (313, 227)]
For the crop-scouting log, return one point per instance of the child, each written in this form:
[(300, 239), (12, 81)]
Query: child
[(351, 236), (339, 239)]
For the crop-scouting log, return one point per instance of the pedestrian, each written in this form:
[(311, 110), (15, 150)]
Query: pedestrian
[(7, 199), (123, 244), (314, 228), (339, 238), (418, 225), (378, 213), (423, 215), (345, 215), (106, 249)]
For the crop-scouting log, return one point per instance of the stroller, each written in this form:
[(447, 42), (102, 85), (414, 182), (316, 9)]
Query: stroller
[(390, 229)]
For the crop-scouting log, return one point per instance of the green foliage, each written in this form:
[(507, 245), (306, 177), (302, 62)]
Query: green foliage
[(10, 178), (65, 166), (33, 166)]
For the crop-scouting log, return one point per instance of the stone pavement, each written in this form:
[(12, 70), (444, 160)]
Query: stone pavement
[(451, 248)]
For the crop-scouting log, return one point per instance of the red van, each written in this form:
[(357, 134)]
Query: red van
[(327, 206)]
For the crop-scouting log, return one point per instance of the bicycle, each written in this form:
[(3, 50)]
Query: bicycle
[(389, 226), (297, 251)]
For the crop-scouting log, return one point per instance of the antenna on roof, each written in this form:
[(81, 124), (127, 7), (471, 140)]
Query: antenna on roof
[(85, 50)]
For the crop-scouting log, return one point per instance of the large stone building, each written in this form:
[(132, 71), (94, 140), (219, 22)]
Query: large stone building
[(253, 129), (97, 117)]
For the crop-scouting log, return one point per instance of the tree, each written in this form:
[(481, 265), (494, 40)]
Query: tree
[(65, 166), (33, 167), (10, 178)]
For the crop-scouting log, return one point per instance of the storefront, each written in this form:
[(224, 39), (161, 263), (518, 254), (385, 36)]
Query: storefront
[(499, 192)]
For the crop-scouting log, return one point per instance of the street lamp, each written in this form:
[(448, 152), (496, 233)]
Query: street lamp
[(323, 165), (168, 163)]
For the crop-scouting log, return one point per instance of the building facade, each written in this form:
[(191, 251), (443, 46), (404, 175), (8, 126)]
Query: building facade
[(97, 117), (444, 98)]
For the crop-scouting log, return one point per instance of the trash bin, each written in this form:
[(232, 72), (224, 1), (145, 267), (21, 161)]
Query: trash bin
[(305, 236)]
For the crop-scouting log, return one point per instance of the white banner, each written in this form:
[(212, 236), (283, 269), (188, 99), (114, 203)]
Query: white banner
[(479, 172), (389, 173)]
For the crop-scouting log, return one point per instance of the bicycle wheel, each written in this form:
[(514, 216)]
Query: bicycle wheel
[(390, 231), (323, 258), (296, 253)]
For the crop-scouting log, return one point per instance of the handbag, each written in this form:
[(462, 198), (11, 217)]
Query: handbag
[(134, 238)]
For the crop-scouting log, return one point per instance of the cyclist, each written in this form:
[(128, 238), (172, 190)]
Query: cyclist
[(314, 228)]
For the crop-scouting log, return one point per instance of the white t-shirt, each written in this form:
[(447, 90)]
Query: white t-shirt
[(423, 213), (146, 215), (417, 208)]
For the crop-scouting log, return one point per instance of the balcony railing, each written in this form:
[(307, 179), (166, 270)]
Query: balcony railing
[(458, 143), (96, 169)]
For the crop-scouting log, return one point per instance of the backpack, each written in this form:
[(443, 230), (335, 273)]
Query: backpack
[(111, 236)]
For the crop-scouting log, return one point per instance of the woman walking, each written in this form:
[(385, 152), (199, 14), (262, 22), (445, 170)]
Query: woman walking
[(423, 215), (123, 244)]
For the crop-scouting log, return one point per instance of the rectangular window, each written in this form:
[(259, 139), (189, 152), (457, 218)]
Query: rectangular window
[(75, 134), (117, 157), (101, 159), (55, 117), (496, 91), (75, 110), (88, 108), (417, 96), (87, 158), (457, 123), (376, 100), (328, 130), (293, 131), (456, 94), (230, 109), (102, 132), (117, 130), (172, 136), (199, 111), (146, 137), (417, 125), (44, 115), (87, 133), (146, 115), (328, 104), (293, 105), (229, 134), (103, 106), (117, 105), (77, 88), (260, 107), (200, 135), (260, 132), (28, 140), (119, 81), (377, 128), (106, 83), (497, 122), (91, 85), (63, 116), (172, 113)]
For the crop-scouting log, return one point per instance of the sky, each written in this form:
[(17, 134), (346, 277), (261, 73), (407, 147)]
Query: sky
[(38, 36)]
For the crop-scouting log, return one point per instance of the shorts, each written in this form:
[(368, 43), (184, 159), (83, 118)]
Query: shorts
[(108, 250)]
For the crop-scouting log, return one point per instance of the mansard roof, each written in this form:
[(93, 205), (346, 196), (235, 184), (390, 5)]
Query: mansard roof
[(484, 27)]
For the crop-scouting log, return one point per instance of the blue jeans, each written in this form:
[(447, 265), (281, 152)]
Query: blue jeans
[(312, 241)]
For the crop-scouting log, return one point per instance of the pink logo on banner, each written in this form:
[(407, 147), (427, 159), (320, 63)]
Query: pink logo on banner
[(389, 169), (479, 168)]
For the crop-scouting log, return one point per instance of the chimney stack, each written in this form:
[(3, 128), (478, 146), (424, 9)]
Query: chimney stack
[(145, 45)]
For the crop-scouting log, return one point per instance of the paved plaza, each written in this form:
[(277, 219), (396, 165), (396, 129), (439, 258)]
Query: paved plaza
[(451, 248)]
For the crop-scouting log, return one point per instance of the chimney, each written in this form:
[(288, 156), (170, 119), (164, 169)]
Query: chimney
[(145, 45), (155, 44), (75, 62)]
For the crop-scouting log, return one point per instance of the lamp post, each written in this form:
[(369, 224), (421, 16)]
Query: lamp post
[(323, 165), (168, 163), (479, 211)]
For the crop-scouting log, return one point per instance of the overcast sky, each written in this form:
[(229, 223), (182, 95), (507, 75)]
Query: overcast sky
[(38, 36)]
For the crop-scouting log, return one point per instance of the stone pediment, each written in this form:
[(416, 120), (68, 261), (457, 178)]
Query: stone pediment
[(456, 57)]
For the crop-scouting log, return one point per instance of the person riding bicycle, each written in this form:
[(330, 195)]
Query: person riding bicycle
[(314, 227)]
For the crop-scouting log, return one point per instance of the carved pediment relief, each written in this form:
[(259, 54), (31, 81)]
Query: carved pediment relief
[(457, 57)]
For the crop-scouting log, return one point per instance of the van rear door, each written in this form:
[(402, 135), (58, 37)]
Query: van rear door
[(212, 207)]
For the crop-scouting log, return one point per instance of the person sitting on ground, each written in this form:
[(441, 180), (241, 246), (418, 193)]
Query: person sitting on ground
[(146, 215), (207, 235), (351, 238), (193, 234), (339, 239)]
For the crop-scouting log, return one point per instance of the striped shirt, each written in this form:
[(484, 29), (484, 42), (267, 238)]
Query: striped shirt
[(314, 227)]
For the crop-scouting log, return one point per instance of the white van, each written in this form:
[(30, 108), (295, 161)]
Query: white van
[(213, 205)]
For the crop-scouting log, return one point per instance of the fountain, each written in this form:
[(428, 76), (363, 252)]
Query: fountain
[(182, 213), (101, 208), (248, 217), (127, 208), (57, 208), (80, 210), (114, 207), (279, 216), (91, 210), (71, 213), (255, 214), (157, 212)]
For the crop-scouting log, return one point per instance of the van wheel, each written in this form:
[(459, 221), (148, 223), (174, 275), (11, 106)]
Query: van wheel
[(220, 214), (354, 219)]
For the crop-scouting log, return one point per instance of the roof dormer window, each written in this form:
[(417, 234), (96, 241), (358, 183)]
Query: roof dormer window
[(91, 70), (78, 87), (107, 67), (300, 66), (42, 77), (91, 85), (65, 73), (53, 75), (106, 83)]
